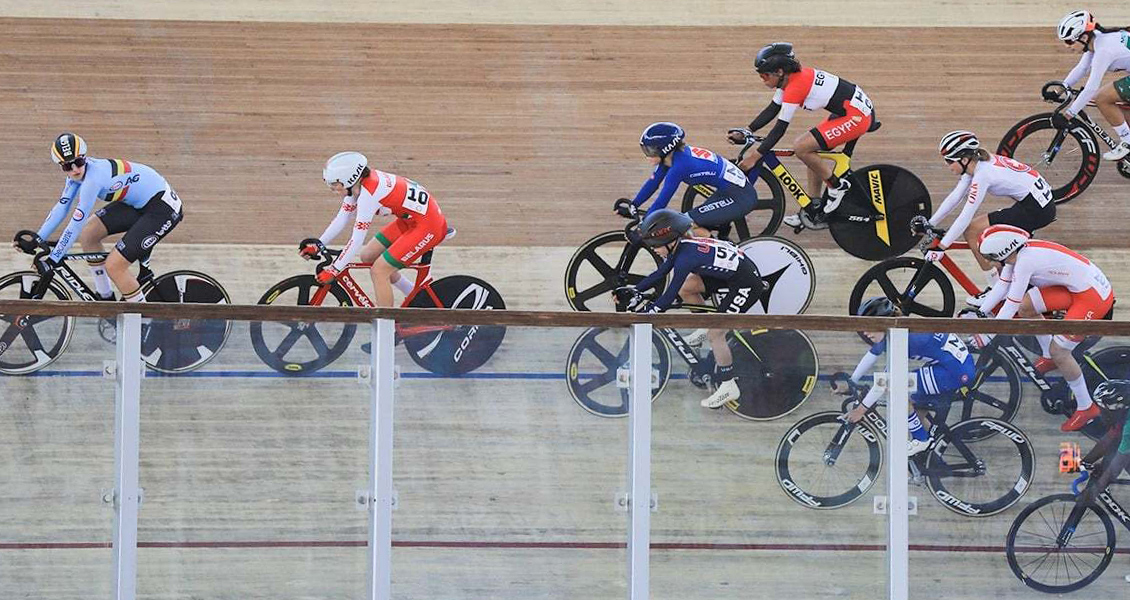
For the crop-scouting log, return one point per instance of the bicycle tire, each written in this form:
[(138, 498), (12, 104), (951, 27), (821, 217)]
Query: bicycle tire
[(316, 352), (977, 401), (458, 349), (1046, 527), (891, 190), (811, 437), (941, 303), (967, 435), (1066, 183), (182, 345), (588, 385), (765, 219), (589, 253), (787, 271), (37, 355), (776, 371)]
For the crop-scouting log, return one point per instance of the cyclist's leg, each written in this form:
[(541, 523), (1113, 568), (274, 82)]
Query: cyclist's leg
[(1026, 214), (743, 290), (416, 238), (373, 250), (723, 207), (972, 236), (157, 219), (107, 221), (824, 137), (1107, 100)]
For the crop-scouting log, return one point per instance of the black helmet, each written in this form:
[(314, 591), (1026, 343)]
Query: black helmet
[(778, 55), (663, 227), (1113, 394), (879, 306)]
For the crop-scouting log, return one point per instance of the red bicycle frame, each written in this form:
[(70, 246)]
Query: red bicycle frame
[(423, 282), (955, 271)]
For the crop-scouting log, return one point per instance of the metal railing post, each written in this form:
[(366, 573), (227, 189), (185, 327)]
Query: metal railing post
[(127, 435), (639, 463), (898, 511), (380, 460)]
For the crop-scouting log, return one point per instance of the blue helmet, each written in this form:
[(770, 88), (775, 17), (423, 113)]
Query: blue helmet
[(661, 139)]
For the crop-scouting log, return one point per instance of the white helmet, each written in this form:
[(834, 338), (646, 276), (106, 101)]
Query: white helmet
[(1074, 25), (998, 242), (956, 143), (345, 168)]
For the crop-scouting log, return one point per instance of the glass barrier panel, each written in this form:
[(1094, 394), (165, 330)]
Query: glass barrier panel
[(56, 455)]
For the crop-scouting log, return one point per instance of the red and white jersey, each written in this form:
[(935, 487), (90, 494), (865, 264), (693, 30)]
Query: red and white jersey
[(1111, 52), (999, 176), (381, 194), (1044, 264), (812, 89)]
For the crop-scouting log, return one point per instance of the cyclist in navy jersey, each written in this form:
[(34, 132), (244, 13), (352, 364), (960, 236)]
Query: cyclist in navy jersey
[(676, 163), (949, 366), (698, 267)]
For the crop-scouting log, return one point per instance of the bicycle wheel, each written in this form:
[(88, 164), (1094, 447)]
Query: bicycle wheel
[(788, 273), (775, 370), (301, 347), (763, 220), (1042, 562), (592, 272), (596, 370), (995, 393), (43, 339), (892, 191), (181, 345), (935, 297), (1070, 169), (456, 349), (976, 475), (823, 463)]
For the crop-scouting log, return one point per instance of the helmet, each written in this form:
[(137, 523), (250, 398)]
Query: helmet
[(67, 147), (663, 227), (660, 139), (956, 144), (345, 168), (778, 55), (1074, 25), (998, 242), (1113, 394), (879, 306)]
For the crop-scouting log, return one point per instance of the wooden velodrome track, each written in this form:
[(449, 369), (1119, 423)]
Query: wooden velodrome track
[(525, 133)]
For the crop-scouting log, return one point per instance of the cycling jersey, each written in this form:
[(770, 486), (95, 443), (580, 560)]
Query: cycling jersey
[(387, 194), (1045, 264), (110, 180), (1110, 52), (693, 166), (999, 176), (709, 258), (812, 89), (948, 363)]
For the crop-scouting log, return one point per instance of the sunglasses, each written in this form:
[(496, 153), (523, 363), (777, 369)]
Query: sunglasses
[(71, 165)]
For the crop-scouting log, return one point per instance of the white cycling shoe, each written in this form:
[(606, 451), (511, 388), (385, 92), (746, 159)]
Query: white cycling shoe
[(1119, 152), (975, 301), (726, 392), (835, 196), (697, 337), (915, 445)]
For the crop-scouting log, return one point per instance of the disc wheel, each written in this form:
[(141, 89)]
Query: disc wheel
[(1069, 169), (891, 191), (181, 345), (301, 347), (592, 272), (776, 370), (455, 349)]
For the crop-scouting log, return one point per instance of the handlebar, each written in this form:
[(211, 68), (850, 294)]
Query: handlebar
[(749, 140), (931, 235), (1056, 92), (28, 242), (1083, 476)]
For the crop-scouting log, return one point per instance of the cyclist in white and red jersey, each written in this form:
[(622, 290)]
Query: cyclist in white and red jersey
[(1103, 50), (981, 174), (804, 87), (1061, 280), (419, 225)]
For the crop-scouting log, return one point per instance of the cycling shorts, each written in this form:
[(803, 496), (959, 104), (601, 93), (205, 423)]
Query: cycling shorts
[(406, 240), (1122, 86), (143, 227), (1087, 305), (1026, 214), (725, 205), (740, 292), (837, 131)]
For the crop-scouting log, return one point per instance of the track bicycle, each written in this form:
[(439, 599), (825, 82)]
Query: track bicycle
[(1067, 158), (29, 343), (825, 462), (303, 347), (1058, 544), (872, 222)]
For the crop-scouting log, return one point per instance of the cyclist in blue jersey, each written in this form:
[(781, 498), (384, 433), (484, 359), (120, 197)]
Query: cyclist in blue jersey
[(1111, 453), (141, 205), (698, 266), (676, 163), (949, 366)]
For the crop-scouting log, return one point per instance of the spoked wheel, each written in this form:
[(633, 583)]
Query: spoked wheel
[(1056, 547), (995, 392), (598, 367), (892, 277), (302, 347), (891, 191), (763, 220), (42, 339), (977, 475), (454, 349), (592, 272), (1069, 162), (822, 464), (775, 370), (180, 345)]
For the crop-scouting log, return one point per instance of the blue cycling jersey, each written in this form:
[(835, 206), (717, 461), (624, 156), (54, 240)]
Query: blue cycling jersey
[(111, 180), (952, 362), (693, 166), (706, 257)]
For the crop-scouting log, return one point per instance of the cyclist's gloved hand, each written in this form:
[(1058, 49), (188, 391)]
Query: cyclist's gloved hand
[(980, 340), (1054, 91), (45, 264), (934, 255), (739, 135), (1060, 120), (327, 275), (919, 224), (310, 248), (624, 208), (627, 297)]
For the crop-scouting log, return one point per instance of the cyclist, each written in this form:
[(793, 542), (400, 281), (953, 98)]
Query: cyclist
[(140, 203), (698, 266), (1103, 50), (418, 227), (795, 86), (982, 173), (1060, 279), (1111, 454), (675, 162), (948, 367)]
